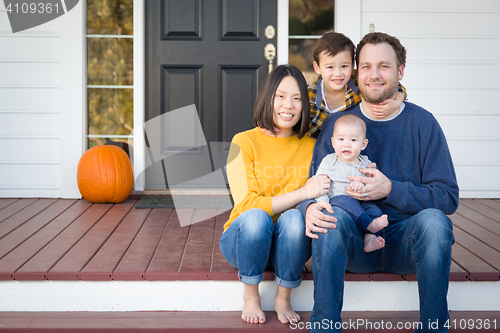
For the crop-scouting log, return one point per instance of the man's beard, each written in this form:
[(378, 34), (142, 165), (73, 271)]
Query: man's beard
[(387, 93)]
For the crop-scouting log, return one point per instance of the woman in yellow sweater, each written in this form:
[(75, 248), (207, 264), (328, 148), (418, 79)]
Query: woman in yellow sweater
[(268, 170)]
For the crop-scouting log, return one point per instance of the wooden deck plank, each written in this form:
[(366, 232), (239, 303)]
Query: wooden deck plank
[(168, 255), (147, 244), (225, 321), (15, 208), (18, 219), (70, 265), (481, 250), (44, 260), (197, 256), (492, 203), (21, 254), (482, 207), (137, 258), (6, 202), (220, 269), (475, 266), (19, 235), (473, 229), (479, 219), (485, 207), (457, 273), (102, 265)]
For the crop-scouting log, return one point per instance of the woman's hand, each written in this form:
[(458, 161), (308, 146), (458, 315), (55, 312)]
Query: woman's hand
[(316, 186)]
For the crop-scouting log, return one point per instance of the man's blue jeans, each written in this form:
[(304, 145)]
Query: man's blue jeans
[(253, 243), (420, 244)]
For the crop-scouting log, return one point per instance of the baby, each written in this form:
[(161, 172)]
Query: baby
[(348, 140)]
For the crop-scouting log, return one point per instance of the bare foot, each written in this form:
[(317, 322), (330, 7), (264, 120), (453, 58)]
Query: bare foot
[(378, 224), (252, 310), (283, 307), (373, 243)]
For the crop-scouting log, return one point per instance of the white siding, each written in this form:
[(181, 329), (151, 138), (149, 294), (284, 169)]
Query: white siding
[(452, 70), (34, 115), (452, 66)]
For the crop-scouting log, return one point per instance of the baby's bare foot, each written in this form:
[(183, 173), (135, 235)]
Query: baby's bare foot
[(283, 307), (378, 224), (252, 311), (373, 243)]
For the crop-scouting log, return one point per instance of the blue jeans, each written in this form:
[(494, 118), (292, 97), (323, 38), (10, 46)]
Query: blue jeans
[(362, 212), (420, 244), (253, 243)]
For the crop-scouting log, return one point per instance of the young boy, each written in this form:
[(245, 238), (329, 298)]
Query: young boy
[(348, 140), (336, 89)]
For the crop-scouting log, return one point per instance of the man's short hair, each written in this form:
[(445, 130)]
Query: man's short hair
[(332, 43), (378, 38), (350, 119)]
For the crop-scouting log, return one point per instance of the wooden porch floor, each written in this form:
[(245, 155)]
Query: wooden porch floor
[(60, 239)]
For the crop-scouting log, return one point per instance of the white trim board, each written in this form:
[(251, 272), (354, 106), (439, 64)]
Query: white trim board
[(226, 296), (282, 34), (73, 97), (139, 151)]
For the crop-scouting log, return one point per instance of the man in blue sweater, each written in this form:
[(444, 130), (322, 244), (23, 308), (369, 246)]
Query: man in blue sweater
[(415, 185)]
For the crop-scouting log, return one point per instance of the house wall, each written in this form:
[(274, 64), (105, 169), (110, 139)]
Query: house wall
[(452, 70), (452, 66), (41, 107)]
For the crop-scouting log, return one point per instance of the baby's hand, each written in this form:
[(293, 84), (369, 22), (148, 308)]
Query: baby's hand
[(388, 106), (372, 165), (355, 186)]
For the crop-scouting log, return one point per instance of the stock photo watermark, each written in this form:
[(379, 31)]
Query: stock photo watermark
[(26, 14), (176, 145), (366, 324)]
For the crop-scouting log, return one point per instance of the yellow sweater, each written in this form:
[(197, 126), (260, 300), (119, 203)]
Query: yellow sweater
[(260, 167)]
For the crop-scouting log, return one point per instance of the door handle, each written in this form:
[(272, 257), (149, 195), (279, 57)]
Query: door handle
[(270, 54)]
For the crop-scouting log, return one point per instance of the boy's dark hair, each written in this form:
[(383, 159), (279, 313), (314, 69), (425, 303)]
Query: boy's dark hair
[(378, 38), (263, 111), (332, 43)]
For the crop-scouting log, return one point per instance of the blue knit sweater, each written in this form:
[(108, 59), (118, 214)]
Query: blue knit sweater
[(411, 150)]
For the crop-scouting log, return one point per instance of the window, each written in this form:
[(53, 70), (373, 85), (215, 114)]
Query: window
[(308, 21), (110, 72)]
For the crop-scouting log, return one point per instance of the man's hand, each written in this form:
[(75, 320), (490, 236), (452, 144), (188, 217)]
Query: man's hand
[(317, 221), (377, 185)]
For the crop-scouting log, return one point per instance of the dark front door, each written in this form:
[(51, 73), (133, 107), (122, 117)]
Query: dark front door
[(209, 53)]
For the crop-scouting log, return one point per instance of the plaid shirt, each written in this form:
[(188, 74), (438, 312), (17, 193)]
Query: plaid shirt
[(318, 110)]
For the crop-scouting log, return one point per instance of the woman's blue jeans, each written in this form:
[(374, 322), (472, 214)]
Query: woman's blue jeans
[(253, 243), (420, 244)]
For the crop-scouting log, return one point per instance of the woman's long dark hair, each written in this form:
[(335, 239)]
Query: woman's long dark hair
[(264, 103)]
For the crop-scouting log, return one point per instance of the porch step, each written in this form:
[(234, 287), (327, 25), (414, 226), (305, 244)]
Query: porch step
[(211, 322)]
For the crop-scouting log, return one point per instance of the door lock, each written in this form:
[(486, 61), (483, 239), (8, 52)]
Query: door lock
[(270, 54), (269, 32)]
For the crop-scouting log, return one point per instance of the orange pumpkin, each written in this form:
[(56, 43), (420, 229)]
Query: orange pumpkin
[(105, 175)]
